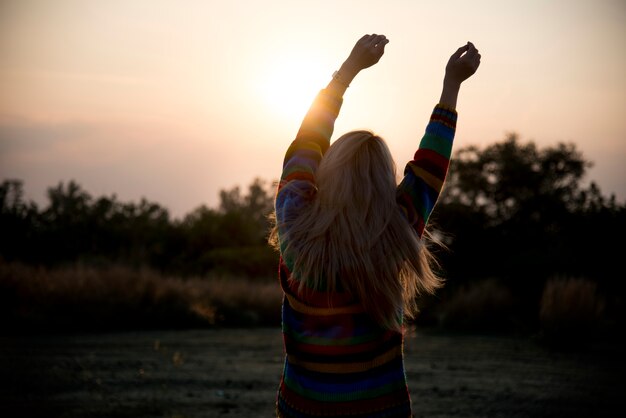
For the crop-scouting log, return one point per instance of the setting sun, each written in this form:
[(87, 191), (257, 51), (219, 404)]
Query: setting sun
[(288, 84)]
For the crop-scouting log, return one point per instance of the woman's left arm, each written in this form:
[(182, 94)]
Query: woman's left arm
[(424, 176)]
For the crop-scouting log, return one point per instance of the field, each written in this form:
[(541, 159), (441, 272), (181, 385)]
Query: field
[(235, 372)]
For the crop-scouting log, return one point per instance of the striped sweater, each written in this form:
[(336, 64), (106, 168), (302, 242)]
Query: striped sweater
[(339, 362)]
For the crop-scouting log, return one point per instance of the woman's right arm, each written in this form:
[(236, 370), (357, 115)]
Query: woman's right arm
[(313, 138)]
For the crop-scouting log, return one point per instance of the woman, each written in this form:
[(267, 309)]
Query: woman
[(353, 257)]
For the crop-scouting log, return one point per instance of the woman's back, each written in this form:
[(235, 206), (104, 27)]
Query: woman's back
[(339, 361)]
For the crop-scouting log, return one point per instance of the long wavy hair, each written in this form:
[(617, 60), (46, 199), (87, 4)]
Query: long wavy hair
[(353, 236)]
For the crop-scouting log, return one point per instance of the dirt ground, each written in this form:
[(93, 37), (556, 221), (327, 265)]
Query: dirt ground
[(235, 373)]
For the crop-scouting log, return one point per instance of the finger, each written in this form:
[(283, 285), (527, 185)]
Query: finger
[(382, 41), (381, 46), (372, 40), (459, 52), (363, 40), (475, 60), (471, 48), (470, 55), (375, 39)]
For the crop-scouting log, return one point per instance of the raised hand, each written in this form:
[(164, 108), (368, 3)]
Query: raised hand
[(462, 64), (367, 51)]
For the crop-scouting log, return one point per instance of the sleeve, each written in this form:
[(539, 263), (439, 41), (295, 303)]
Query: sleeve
[(424, 176), (297, 181)]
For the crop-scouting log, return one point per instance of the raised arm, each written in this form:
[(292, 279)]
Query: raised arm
[(425, 174), (366, 52), (461, 66), (313, 138)]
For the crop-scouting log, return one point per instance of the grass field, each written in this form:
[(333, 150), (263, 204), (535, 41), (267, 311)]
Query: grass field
[(235, 373)]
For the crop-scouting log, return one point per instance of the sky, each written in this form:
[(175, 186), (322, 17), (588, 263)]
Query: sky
[(173, 101)]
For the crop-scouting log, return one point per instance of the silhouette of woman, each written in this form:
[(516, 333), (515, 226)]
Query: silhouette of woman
[(353, 255)]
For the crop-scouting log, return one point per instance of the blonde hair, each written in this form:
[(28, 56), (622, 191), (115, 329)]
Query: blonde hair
[(353, 236)]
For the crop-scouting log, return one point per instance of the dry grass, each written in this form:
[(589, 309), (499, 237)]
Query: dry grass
[(570, 307), (485, 305), (113, 298), (80, 297)]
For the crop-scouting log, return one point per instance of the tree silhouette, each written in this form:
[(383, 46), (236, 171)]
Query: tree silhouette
[(18, 220), (511, 211), (234, 235), (521, 213)]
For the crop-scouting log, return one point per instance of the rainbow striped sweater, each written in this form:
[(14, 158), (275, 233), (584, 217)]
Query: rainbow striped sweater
[(338, 361)]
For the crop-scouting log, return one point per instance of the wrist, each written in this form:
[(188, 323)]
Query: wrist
[(451, 84), (348, 70), (450, 93), (340, 77)]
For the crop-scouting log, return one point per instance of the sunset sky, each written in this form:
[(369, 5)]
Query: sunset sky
[(175, 100)]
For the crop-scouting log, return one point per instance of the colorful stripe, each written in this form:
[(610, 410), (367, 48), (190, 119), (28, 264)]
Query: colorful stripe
[(310, 310), (292, 404), (424, 176), (338, 361)]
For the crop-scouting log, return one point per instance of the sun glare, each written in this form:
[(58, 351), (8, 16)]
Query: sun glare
[(289, 85)]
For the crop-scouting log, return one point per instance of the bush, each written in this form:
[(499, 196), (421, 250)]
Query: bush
[(570, 308), (259, 261), (486, 306), (80, 298)]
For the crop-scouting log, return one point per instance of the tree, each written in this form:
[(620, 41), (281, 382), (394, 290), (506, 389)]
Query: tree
[(16, 220), (232, 239), (518, 212), (245, 218)]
